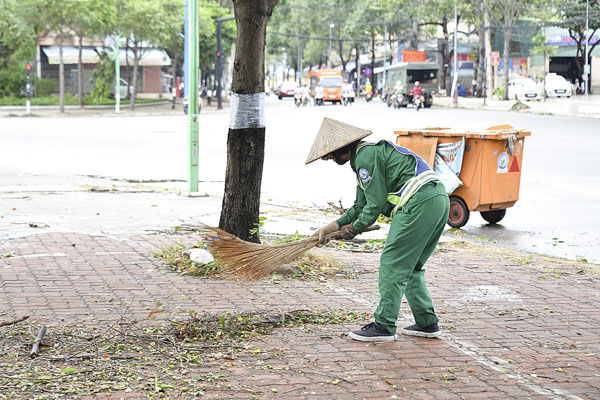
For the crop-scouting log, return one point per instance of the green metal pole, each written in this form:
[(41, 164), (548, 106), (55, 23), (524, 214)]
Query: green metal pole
[(117, 74), (193, 13)]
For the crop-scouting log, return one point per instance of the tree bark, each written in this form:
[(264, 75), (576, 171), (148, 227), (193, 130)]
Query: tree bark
[(245, 145)]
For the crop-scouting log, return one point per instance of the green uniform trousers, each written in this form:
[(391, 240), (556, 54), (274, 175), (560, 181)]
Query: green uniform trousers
[(414, 235)]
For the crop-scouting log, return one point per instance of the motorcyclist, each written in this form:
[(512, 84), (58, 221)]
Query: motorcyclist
[(298, 95), (397, 91), (368, 87), (417, 90), (319, 94), (347, 92), (305, 94), (417, 95)]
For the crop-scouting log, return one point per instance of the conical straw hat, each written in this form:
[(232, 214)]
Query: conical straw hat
[(334, 135)]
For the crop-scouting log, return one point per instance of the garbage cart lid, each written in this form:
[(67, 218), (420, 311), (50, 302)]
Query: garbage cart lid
[(494, 132)]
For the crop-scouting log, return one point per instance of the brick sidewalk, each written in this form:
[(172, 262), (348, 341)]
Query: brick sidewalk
[(516, 325)]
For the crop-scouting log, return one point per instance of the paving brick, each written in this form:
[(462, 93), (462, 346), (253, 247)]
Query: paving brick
[(491, 314)]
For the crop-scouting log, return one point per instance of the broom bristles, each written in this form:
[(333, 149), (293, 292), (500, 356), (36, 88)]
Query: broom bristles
[(253, 261)]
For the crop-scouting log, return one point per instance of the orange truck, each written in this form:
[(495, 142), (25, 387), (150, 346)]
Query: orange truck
[(331, 80)]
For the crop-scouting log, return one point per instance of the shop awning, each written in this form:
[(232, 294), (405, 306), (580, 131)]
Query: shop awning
[(89, 55)]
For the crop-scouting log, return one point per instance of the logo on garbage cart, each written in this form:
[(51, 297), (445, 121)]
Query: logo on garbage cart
[(502, 163)]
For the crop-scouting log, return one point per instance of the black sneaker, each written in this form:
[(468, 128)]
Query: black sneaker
[(372, 333), (431, 331)]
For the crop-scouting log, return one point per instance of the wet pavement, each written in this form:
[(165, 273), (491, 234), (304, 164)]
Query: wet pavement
[(516, 325), (77, 245)]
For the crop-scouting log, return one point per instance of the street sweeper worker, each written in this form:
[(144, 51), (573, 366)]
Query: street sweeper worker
[(393, 181)]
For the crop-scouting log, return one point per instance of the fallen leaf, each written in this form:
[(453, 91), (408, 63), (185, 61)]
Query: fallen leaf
[(154, 312)]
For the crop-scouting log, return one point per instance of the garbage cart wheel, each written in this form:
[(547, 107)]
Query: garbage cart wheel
[(459, 213), (493, 216)]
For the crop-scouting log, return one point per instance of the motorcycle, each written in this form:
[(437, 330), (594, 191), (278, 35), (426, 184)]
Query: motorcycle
[(345, 98), (319, 97), (395, 100), (418, 101), (298, 99), (369, 97)]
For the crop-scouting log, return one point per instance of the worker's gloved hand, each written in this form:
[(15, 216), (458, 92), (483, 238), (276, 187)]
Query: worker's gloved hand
[(326, 230), (348, 232)]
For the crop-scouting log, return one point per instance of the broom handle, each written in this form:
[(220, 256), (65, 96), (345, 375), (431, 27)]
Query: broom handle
[(338, 234)]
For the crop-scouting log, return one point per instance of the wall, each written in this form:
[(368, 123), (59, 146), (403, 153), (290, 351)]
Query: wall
[(595, 74), (151, 87)]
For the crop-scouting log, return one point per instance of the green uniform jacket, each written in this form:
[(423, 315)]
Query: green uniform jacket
[(381, 170)]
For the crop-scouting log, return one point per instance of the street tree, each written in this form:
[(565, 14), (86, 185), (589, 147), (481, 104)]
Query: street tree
[(246, 136), (143, 23), (209, 11), (574, 19), (17, 44), (89, 18), (506, 16), (53, 17), (440, 13)]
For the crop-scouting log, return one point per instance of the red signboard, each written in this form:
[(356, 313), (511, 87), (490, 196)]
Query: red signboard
[(495, 58), (414, 56)]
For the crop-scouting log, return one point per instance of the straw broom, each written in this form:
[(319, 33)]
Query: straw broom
[(253, 261)]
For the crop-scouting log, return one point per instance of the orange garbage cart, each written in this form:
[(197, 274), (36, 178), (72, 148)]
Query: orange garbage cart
[(491, 167)]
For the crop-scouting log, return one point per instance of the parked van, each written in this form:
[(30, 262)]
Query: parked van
[(331, 80)]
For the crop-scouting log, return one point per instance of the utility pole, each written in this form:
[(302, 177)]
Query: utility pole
[(373, 57), (186, 56), (384, 53), (586, 65), (118, 74), (488, 53), (455, 69), (299, 60), (219, 71), (329, 63), (193, 109)]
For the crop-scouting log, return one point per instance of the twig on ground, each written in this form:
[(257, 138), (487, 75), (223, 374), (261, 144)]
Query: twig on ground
[(16, 321), (38, 340)]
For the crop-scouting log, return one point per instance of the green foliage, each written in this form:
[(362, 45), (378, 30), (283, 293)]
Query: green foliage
[(256, 230), (69, 101), (17, 45), (230, 327), (290, 238), (103, 78), (44, 87), (176, 258)]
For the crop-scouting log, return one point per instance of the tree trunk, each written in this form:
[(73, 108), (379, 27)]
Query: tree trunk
[(414, 35), (61, 79), (136, 62), (344, 61), (246, 137), (505, 59), (446, 56), (488, 54), (481, 62), (80, 73)]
